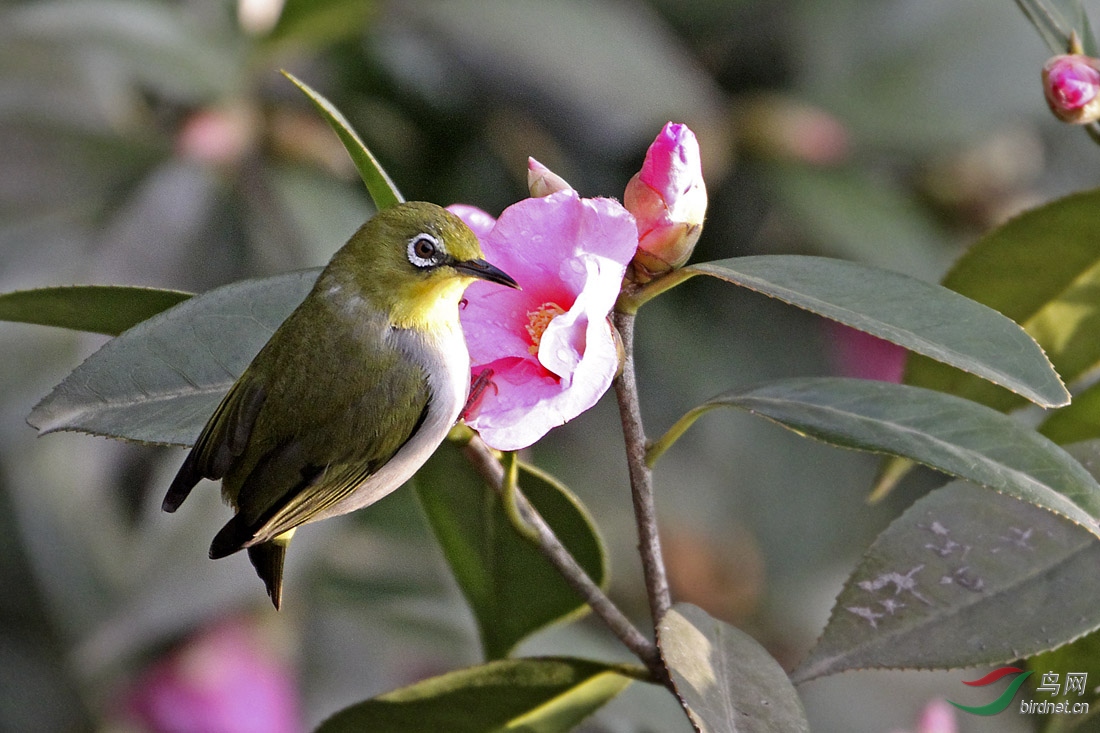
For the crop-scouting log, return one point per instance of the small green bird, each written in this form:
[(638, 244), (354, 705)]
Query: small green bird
[(353, 392)]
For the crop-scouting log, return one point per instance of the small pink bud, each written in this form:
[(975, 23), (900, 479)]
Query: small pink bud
[(1071, 83), (541, 181), (668, 200)]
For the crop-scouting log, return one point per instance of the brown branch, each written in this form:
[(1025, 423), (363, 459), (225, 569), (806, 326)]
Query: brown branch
[(491, 470), (641, 478)]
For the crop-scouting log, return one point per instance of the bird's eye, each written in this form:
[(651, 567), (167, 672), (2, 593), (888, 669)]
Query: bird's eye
[(425, 250)]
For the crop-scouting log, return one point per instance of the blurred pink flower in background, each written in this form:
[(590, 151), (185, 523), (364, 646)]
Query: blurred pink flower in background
[(937, 716), (218, 135), (547, 352), (858, 354), (669, 200), (784, 127), (223, 680)]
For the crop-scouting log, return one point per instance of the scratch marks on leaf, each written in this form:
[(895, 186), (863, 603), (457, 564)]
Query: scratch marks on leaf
[(867, 614), (895, 585), (963, 578), (902, 583), (943, 545), (1020, 538)]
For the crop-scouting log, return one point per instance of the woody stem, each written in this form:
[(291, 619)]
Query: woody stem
[(641, 478), (490, 468)]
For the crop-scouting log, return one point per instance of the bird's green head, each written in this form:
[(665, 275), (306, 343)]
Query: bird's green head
[(414, 260)]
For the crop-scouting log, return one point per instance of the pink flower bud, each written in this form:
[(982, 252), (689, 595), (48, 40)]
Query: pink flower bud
[(1071, 83), (668, 200), (541, 181)]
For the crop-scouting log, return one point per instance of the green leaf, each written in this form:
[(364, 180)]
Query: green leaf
[(381, 188), (948, 433), (105, 309), (511, 588), (539, 695), (1042, 270), (161, 380), (922, 317), (725, 679), (1080, 658), (965, 577)]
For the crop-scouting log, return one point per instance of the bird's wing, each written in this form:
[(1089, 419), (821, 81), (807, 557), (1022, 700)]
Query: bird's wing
[(308, 488), (222, 441), (326, 423)]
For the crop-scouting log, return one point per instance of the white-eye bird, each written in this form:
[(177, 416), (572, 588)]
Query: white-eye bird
[(352, 393)]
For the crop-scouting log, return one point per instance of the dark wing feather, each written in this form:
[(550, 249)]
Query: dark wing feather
[(223, 439), (319, 488), (327, 422)]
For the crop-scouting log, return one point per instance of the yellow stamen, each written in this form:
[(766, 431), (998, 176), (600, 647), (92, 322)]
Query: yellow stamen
[(538, 320)]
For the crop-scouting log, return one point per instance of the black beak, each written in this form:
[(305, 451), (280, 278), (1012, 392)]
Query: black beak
[(484, 271)]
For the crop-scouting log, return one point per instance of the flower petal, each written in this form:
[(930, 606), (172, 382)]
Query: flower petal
[(568, 254), (480, 222)]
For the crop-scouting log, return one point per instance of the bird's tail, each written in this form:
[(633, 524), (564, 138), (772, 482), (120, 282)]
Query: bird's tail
[(182, 484), (268, 559)]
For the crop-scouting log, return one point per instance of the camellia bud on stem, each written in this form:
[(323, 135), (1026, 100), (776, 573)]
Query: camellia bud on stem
[(1071, 83), (668, 200)]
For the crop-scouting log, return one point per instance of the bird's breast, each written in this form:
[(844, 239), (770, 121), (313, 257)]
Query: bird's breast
[(444, 360)]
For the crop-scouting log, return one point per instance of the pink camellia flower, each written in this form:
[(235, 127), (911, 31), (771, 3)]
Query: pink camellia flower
[(668, 199), (223, 680), (1071, 84), (542, 355)]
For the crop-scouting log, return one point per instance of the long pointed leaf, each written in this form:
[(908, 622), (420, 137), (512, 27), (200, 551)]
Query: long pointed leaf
[(924, 318), (1042, 270), (962, 579), (160, 381), (543, 695), (948, 433), (381, 187), (107, 309), (725, 679)]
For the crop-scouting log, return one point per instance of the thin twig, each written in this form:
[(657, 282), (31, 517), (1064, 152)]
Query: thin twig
[(641, 479), (490, 468)]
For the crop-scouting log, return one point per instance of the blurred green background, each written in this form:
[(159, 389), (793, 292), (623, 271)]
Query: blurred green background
[(154, 143)]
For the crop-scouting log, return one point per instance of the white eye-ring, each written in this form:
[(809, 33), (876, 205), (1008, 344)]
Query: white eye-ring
[(425, 250)]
